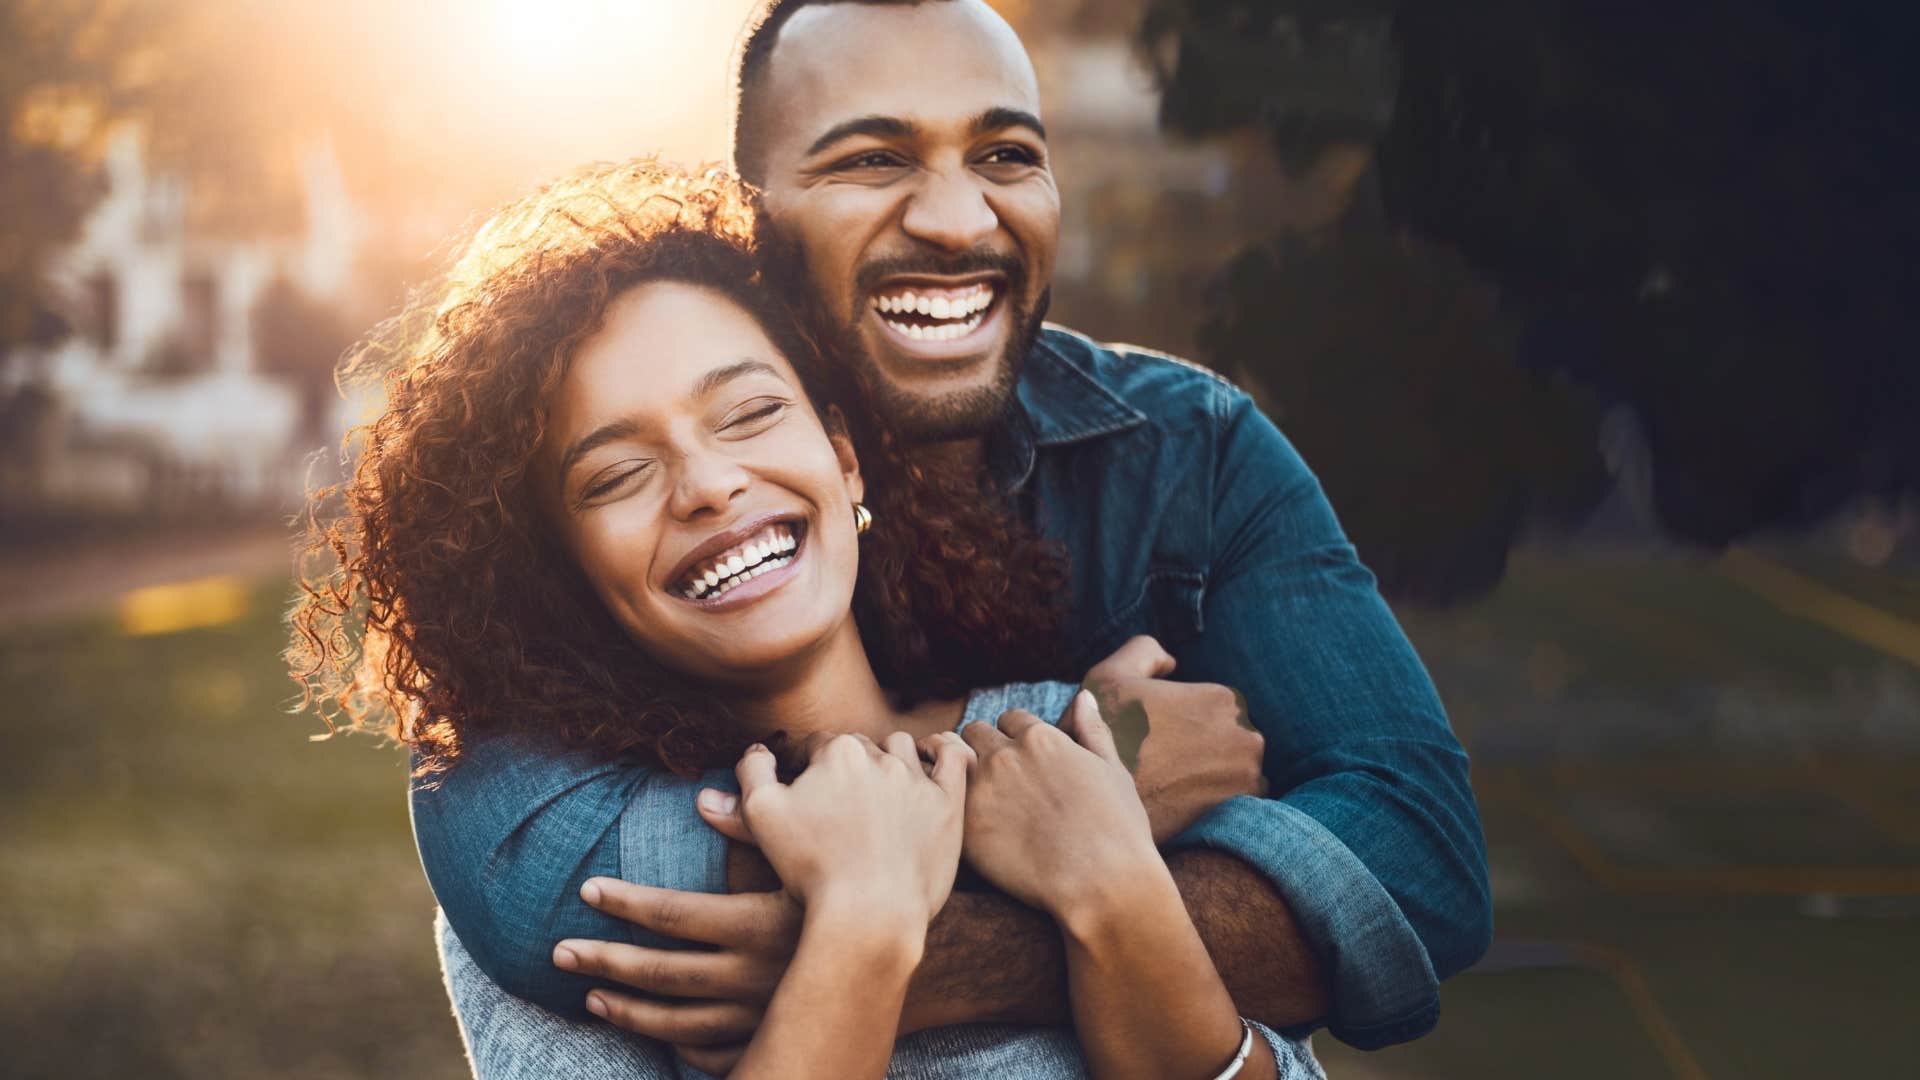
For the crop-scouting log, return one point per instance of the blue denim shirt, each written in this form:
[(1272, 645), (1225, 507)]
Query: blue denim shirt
[(1188, 516)]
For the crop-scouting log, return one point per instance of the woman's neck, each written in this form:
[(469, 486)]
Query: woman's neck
[(835, 689)]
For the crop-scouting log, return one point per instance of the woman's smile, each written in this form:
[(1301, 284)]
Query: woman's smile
[(743, 570)]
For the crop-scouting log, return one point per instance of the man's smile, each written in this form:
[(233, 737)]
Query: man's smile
[(941, 320)]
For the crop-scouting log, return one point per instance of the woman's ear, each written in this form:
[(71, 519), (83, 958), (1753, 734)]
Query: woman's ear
[(836, 424)]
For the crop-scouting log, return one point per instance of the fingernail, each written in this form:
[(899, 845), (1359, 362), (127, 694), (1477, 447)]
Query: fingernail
[(1084, 699), (590, 891), (565, 957), (717, 801), (596, 1005), (761, 747)]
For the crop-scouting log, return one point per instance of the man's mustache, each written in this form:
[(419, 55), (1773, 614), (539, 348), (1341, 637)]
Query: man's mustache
[(870, 275)]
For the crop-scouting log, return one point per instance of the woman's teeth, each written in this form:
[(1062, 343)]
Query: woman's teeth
[(935, 316), (768, 551)]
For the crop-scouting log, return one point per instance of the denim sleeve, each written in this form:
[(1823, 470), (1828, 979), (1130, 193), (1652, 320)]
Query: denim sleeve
[(508, 835), (1374, 839)]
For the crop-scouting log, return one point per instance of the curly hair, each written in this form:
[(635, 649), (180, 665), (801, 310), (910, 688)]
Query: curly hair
[(442, 606)]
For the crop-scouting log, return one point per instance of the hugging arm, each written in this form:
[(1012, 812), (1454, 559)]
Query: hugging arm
[(1374, 839), (510, 833)]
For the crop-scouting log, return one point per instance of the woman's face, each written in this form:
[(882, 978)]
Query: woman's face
[(696, 487)]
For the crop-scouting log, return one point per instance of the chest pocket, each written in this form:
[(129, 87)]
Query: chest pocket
[(1167, 607)]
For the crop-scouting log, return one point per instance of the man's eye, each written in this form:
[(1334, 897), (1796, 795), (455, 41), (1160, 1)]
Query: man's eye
[(1011, 155), (872, 159)]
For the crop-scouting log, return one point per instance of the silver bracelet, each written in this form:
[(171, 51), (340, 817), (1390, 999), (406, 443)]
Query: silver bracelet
[(1239, 1056)]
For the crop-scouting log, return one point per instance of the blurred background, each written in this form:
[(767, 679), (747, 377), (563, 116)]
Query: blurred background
[(1596, 319)]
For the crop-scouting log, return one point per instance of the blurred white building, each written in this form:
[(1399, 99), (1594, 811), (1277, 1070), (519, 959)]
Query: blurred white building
[(163, 393)]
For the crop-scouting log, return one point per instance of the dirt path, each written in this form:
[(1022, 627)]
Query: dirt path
[(52, 582)]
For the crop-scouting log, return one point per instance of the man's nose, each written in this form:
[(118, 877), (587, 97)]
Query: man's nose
[(706, 482), (950, 211)]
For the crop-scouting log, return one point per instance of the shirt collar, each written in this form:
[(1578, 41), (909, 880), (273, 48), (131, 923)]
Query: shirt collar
[(1057, 402), (1063, 401)]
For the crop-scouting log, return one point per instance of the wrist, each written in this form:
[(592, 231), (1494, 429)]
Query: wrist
[(1093, 910), (877, 935)]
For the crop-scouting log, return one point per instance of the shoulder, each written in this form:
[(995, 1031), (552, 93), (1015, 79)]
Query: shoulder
[(1165, 389), (1046, 700)]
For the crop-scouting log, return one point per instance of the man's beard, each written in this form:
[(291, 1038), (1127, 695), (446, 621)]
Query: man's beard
[(962, 414)]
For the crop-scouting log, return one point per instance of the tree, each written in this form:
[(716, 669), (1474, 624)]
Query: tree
[(67, 72), (1702, 211)]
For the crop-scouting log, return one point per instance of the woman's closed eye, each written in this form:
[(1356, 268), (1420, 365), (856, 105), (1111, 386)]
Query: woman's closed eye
[(753, 417), (612, 479)]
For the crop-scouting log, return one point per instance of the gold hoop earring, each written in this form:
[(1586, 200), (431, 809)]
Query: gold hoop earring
[(862, 519)]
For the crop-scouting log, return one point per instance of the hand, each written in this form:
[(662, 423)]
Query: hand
[(862, 829), (1052, 815), (726, 989), (1189, 745)]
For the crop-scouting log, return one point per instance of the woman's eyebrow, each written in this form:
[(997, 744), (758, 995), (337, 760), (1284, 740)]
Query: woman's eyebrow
[(608, 432), (720, 376), (614, 430)]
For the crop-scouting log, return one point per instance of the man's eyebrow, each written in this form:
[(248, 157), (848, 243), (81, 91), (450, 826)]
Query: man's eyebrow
[(1002, 117), (883, 127)]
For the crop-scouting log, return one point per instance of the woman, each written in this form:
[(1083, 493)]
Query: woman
[(613, 502)]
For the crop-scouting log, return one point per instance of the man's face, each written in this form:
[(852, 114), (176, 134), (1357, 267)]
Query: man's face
[(907, 179)]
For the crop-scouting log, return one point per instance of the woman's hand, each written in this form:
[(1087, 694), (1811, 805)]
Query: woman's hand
[(1052, 815), (865, 832)]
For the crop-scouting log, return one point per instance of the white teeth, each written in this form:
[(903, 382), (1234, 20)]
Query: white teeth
[(940, 308), (736, 564)]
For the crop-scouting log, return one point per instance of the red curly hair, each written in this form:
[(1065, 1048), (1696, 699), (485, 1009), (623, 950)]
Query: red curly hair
[(443, 606)]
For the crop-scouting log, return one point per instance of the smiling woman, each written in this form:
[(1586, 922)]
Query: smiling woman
[(611, 494)]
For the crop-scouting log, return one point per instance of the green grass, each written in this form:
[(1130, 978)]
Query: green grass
[(191, 887)]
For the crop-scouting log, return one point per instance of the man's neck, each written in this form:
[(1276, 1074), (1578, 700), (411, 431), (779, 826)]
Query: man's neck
[(968, 455)]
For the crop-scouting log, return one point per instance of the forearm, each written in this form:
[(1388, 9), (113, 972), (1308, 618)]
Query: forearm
[(1148, 1003), (1252, 937), (838, 1004), (989, 959), (992, 959)]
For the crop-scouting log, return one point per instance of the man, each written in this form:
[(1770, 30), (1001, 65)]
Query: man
[(903, 162)]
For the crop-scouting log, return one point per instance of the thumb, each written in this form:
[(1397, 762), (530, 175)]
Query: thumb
[(1142, 657), (1089, 729), (721, 810)]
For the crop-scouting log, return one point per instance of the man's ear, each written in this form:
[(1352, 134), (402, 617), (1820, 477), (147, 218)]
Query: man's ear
[(836, 425)]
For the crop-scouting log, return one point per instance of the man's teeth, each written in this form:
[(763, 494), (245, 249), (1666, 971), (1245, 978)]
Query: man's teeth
[(954, 314), (770, 550)]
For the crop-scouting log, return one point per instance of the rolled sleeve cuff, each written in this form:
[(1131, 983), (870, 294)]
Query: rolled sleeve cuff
[(1384, 990)]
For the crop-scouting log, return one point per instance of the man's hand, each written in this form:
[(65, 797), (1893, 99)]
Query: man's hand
[(1190, 746), (753, 934)]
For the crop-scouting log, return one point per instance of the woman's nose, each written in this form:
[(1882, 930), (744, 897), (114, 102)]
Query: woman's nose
[(706, 482)]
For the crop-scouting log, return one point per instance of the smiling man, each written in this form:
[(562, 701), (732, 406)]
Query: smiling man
[(902, 157)]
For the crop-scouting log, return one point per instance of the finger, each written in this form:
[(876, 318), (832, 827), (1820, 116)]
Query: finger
[(1089, 729), (757, 769), (731, 920), (721, 810), (900, 745), (1141, 656), (984, 739), (952, 757), (663, 972), (701, 1023), (872, 748), (712, 1060), (1017, 722)]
